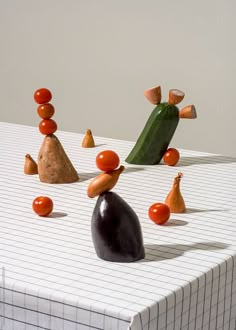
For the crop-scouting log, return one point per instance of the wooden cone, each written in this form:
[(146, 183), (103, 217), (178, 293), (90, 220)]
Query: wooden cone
[(175, 96), (54, 166), (188, 112), (153, 95), (30, 166), (88, 141)]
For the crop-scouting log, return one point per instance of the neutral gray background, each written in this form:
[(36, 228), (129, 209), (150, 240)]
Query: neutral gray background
[(98, 56)]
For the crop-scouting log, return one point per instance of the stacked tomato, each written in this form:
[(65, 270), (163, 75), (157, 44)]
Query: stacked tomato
[(43, 205), (107, 160), (45, 111)]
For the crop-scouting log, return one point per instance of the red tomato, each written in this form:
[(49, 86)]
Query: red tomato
[(171, 157), (45, 110), (107, 160), (47, 126), (159, 213), (42, 205), (42, 95)]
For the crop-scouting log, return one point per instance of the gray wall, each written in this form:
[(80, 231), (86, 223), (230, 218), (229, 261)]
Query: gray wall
[(97, 58)]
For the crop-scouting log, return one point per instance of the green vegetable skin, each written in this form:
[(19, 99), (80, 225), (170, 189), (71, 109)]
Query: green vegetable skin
[(156, 135)]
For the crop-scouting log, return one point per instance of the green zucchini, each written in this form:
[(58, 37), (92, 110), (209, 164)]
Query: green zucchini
[(156, 135)]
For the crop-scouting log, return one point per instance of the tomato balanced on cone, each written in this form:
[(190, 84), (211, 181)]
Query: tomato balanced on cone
[(42, 95), (47, 126), (54, 166), (45, 111), (107, 160)]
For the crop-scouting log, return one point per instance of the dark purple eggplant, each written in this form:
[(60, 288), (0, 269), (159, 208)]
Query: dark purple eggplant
[(116, 230)]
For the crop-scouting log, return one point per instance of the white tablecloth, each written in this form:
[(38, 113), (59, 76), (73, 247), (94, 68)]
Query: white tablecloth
[(51, 277)]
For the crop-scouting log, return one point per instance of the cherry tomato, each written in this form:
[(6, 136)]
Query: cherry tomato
[(45, 110), (42, 205), (159, 213), (47, 126), (107, 160), (171, 157), (42, 95)]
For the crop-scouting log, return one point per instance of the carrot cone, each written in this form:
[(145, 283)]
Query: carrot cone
[(175, 96), (88, 141), (54, 166), (104, 182), (153, 95), (188, 112), (174, 199), (30, 166)]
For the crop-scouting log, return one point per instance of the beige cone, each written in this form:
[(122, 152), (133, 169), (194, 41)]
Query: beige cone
[(54, 166), (30, 166)]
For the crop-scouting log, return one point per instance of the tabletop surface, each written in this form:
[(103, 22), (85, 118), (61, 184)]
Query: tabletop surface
[(49, 265)]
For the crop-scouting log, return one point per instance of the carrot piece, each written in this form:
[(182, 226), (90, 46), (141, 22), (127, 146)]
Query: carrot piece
[(104, 182)]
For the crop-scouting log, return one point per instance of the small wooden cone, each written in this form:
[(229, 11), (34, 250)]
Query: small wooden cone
[(104, 182), (88, 141), (188, 112), (175, 96), (153, 95), (54, 166), (30, 166)]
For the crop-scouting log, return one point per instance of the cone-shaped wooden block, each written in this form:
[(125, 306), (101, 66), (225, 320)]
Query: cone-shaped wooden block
[(88, 140), (54, 166), (153, 95), (30, 166)]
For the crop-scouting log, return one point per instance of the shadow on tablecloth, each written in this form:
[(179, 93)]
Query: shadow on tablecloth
[(159, 252), (211, 159), (90, 175)]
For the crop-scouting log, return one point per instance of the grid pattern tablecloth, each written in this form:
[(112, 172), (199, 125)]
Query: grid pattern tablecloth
[(51, 277)]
